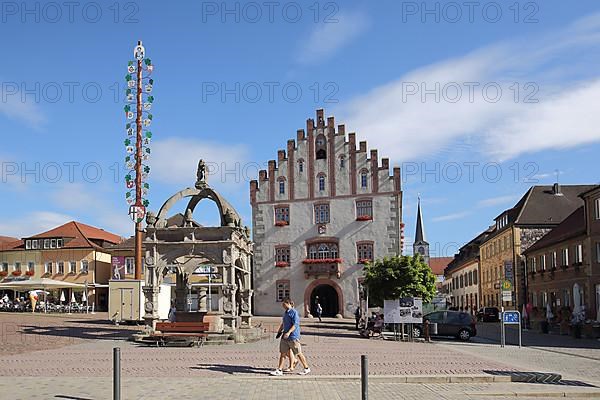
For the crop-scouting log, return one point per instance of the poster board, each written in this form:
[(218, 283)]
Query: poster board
[(406, 310)]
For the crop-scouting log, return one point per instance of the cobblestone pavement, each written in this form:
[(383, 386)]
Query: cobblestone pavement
[(272, 389), (70, 357), (332, 348), (574, 359)]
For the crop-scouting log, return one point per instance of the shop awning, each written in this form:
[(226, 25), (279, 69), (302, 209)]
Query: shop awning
[(42, 283)]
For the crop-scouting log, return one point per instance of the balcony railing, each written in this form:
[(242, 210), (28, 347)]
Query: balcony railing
[(330, 267)]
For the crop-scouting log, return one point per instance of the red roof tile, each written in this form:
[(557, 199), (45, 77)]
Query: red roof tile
[(438, 264), (81, 235)]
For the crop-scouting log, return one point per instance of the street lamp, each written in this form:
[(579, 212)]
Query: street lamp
[(139, 102)]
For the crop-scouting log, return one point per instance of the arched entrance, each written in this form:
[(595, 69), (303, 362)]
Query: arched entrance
[(327, 296)]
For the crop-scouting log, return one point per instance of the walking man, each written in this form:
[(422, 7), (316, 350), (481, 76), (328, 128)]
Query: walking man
[(290, 327), (319, 311)]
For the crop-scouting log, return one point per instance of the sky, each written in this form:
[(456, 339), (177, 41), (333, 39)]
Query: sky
[(475, 101)]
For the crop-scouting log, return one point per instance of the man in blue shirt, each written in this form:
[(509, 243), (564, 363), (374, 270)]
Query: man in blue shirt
[(290, 341)]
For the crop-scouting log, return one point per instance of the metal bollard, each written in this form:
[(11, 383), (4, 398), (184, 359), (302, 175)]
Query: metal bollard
[(364, 377), (116, 373)]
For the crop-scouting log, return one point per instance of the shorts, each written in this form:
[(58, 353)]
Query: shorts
[(286, 345)]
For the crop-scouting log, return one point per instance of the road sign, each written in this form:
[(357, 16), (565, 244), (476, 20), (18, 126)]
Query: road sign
[(511, 317), (506, 295), (507, 285)]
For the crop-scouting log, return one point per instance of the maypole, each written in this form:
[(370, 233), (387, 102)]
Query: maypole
[(138, 94)]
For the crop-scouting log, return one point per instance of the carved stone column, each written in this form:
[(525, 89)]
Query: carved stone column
[(247, 308), (150, 306), (202, 297)]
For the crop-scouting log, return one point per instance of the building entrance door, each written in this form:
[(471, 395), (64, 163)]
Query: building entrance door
[(327, 296)]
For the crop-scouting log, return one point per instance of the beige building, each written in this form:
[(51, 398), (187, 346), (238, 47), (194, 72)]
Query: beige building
[(73, 252), (541, 209)]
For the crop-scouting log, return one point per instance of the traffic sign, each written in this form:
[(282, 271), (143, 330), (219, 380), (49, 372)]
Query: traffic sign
[(506, 295), (507, 285), (511, 317)]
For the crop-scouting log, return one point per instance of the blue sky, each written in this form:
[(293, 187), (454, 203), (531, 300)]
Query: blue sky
[(509, 88)]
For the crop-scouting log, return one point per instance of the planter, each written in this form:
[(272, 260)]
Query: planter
[(544, 326), (588, 331), (3, 273), (576, 331), (364, 261), (282, 223), (564, 328), (322, 261), (16, 273), (29, 273), (364, 218), (281, 264)]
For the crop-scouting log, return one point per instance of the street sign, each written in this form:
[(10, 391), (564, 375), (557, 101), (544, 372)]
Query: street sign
[(507, 285), (511, 317), (506, 295)]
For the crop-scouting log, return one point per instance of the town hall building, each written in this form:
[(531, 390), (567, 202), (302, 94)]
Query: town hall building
[(321, 211)]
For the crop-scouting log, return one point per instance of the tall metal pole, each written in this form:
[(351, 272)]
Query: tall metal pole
[(138, 170)]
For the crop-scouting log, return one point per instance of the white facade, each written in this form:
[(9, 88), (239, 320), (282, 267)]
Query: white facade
[(463, 284), (322, 172)]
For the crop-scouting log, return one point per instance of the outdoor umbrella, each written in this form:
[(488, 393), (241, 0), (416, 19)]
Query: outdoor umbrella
[(84, 297), (73, 297), (549, 314), (524, 314), (62, 296)]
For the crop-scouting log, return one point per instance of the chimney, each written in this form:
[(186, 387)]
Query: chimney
[(556, 189)]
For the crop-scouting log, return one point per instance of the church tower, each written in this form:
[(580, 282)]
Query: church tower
[(420, 245)]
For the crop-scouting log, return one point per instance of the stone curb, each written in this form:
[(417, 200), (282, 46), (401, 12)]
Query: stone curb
[(544, 395)]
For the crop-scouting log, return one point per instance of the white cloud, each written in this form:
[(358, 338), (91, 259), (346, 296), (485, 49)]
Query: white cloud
[(410, 127), (15, 107), (175, 161), (495, 201), (450, 217), (32, 223), (329, 37)]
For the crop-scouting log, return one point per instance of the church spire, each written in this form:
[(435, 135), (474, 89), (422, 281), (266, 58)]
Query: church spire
[(420, 246), (420, 233)]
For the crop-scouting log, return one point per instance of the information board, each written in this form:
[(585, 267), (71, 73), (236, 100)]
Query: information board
[(511, 317), (407, 310)]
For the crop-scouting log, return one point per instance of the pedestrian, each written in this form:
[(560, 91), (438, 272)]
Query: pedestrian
[(172, 312), (319, 311), (357, 315), (290, 339)]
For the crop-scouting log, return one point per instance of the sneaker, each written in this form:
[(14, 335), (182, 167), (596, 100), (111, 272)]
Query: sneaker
[(277, 372), (305, 371)]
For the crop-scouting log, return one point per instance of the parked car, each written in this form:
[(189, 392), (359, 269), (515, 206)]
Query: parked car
[(488, 314), (449, 323)]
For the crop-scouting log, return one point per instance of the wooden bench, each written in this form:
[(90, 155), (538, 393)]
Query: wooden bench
[(186, 333)]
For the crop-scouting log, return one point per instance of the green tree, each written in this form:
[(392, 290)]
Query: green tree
[(401, 276)]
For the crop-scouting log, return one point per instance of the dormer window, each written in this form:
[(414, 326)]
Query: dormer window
[(59, 243), (321, 147), (28, 244)]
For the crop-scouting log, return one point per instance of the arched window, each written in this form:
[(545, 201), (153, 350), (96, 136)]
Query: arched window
[(301, 165), (281, 185), (364, 175), (342, 161), (321, 251), (321, 147), (321, 183)]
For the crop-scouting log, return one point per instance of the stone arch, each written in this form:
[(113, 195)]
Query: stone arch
[(196, 196), (318, 282)]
